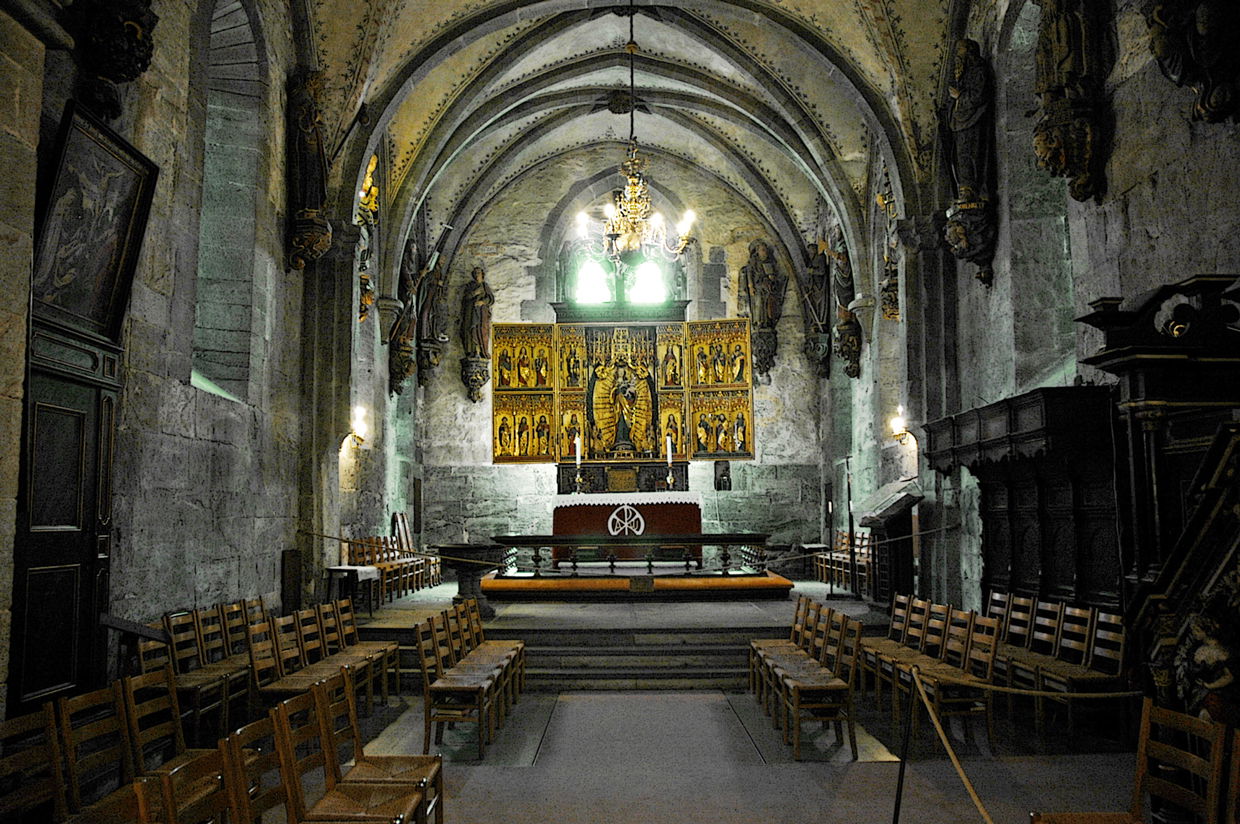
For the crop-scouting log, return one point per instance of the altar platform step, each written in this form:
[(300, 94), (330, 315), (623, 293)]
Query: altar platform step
[(655, 659)]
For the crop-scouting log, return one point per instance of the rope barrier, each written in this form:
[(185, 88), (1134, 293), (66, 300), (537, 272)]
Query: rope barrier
[(951, 753)]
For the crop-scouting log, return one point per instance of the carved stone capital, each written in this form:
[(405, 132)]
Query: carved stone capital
[(430, 355), (389, 310), (818, 350), (475, 374)]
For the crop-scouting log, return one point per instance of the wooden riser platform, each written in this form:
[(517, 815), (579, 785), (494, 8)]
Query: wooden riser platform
[(637, 587)]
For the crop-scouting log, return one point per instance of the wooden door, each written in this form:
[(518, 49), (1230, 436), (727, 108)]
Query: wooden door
[(62, 547)]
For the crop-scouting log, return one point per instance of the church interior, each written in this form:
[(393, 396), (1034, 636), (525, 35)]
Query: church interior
[(873, 358)]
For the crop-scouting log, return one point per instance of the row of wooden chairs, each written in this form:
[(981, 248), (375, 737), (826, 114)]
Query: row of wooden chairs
[(288, 654), (465, 677), (265, 766), (836, 565), (400, 573), (207, 650), (810, 675), (1056, 647), (952, 649)]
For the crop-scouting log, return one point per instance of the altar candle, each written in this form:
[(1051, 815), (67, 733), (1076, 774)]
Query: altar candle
[(577, 449), (669, 450)]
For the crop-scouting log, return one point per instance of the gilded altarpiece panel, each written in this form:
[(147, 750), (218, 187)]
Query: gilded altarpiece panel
[(524, 430), (721, 353), (624, 388), (523, 357)]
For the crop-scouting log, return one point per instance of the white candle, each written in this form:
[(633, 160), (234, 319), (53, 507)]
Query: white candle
[(577, 449), (669, 450)]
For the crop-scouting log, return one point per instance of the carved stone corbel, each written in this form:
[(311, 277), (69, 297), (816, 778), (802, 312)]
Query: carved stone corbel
[(114, 45), (1069, 137), (475, 374), (1194, 42), (310, 229), (970, 234)]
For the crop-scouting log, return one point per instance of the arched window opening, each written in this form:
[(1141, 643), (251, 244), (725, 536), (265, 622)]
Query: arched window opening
[(226, 310)]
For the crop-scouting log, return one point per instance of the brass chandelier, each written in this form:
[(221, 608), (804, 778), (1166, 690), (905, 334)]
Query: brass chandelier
[(633, 231)]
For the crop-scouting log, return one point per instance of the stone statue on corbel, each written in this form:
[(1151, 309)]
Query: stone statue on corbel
[(847, 327), (476, 302), (310, 229), (432, 321), (971, 228), (1069, 136), (368, 222), (113, 45), (402, 342), (816, 298), (764, 287), (1194, 42)]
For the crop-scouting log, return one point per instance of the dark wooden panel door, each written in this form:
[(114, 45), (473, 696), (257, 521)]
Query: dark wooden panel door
[(62, 543)]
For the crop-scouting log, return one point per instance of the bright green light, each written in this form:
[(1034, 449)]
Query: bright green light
[(592, 283), (648, 285)]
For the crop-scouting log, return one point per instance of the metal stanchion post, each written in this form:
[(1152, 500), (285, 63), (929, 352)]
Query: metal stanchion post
[(908, 736)]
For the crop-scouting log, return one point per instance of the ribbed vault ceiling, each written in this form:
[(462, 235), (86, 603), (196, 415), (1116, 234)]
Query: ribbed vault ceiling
[(784, 104)]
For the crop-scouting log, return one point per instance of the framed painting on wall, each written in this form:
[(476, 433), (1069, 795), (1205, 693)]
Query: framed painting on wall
[(92, 223)]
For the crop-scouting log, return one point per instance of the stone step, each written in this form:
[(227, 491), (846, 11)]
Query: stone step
[(727, 637), (636, 658), (622, 678)]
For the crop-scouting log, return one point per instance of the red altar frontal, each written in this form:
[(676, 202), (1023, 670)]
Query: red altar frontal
[(632, 513)]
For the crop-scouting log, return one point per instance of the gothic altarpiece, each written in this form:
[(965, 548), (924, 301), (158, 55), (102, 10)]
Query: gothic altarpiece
[(625, 388)]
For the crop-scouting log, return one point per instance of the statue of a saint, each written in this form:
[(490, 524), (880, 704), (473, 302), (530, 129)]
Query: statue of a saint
[(430, 306), (505, 368), (504, 436), (672, 431), (703, 434), (1063, 53), (542, 435), (523, 436), (738, 365), (671, 367), (542, 375), (476, 305), (525, 369), (739, 435), (970, 123), (764, 286), (719, 364)]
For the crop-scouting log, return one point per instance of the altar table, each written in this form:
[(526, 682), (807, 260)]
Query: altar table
[(626, 514)]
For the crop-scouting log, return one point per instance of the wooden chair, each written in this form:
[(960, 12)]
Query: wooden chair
[(269, 681), (337, 707), (1013, 640), (800, 637), (953, 652), (303, 747), (943, 682), (872, 649), (30, 766), (189, 660), (997, 607), (498, 656), (826, 693), (154, 719), (780, 664), (1024, 666), (1101, 670), (137, 802), (794, 635), (384, 655), (457, 660), (95, 742), (216, 657), (514, 648), (1180, 761), (451, 697), (199, 694), (195, 792), (357, 665)]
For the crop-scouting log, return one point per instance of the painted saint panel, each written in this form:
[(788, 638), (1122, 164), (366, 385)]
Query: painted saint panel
[(523, 355), (720, 353), (524, 427), (722, 425)]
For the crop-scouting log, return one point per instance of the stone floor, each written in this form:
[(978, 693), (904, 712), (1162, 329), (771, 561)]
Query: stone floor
[(711, 756)]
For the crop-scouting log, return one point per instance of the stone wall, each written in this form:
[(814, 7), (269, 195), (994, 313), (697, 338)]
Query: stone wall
[(21, 91), (206, 487)]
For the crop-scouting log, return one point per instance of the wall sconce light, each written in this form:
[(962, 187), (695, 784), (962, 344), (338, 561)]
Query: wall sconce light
[(358, 429), (899, 427)]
